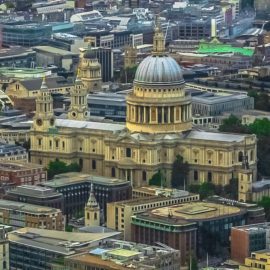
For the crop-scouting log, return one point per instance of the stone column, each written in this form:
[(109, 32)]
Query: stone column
[(162, 115), (169, 114), (144, 114)]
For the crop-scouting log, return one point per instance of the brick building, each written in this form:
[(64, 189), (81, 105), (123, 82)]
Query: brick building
[(247, 239), (20, 173), (19, 215)]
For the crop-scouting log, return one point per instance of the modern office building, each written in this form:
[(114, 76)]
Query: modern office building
[(19, 215), (210, 104), (17, 56), (36, 195), (247, 239), (38, 249), (119, 214), (26, 35), (123, 255), (76, 190), (48, 55), (16, 173), (193, 228), (108, 105)]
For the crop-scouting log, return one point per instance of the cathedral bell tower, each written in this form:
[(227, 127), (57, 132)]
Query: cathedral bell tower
[(92, 210), (78, 109), (44, 116), (245, 179), (90, 70)]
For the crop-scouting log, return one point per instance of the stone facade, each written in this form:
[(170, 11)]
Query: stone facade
[(158, 128)]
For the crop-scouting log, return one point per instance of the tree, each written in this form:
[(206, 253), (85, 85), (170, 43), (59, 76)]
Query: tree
[(231, 190), (233, 124), (127, 75), (193, 265), (261, 100), (265, 203), (57, 167), (206, 190), (157, 179), (260, 127), (180, 171)]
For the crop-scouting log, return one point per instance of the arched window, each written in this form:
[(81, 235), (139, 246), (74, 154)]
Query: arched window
[(144, 175), (94, 164), (81, 163), (251, 155), (95, 215), (240, 156), (196, 176), (88, 216), (209, 177), (113, 172)]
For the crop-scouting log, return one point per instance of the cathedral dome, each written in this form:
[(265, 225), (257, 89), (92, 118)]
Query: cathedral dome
[(159, 70)]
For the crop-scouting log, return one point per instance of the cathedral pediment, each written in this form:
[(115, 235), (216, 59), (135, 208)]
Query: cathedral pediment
[(127, 138)]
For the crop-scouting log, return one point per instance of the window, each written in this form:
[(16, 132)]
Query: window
[(196, 176), (50, 143), (57, 143), (88, 216), (95, 215), (81, 163), (251, 155), (209, 177), (39, 142), (113, 172), (128, 152), (94, 165), (144, 175), (63, 145), (240, 156)]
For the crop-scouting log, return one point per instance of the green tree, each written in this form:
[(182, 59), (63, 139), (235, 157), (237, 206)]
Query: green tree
[(193, 265), (231, 190), (58, 166), (261, 100), (69, 228), (206, 190), (233, 124), (260, 127), (265, 203), (157, 179), (127, 75), (180, 171)]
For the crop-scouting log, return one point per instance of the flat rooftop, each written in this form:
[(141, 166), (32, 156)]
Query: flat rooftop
[(60, 242), (191, 212), (34, 191), (27, 208), (50, 49), (18, 166), (73, 178), (253, 228)]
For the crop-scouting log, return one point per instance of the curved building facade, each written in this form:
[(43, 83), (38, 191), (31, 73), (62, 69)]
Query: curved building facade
[(159, 103)]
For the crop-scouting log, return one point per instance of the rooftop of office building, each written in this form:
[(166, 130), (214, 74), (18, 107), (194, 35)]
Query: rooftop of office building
[(27, 208), (65, 243), (124, 255), (34, 191), (191, 212), (65, 179)]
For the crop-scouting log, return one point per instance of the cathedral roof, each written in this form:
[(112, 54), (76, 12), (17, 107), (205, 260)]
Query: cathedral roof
[(159, 70)]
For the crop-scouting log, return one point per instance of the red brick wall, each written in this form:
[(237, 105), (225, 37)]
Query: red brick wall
[(239, 245)]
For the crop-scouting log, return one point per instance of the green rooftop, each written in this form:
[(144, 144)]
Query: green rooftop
[(215, 46), (24, 73)]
